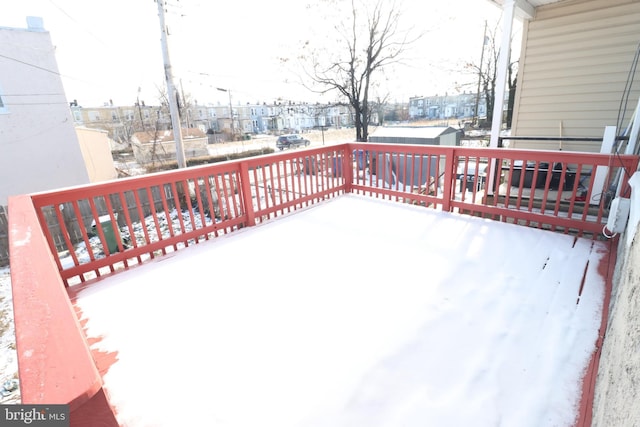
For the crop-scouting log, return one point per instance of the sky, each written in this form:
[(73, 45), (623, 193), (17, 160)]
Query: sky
[(317, 333), (112, 51)]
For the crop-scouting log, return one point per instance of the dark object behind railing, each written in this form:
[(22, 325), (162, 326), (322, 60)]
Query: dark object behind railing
[(555, 138)]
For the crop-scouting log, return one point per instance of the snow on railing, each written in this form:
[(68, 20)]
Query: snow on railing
[(96, 229)]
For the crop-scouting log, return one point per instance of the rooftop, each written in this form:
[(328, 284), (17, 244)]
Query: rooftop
[(412, 131)]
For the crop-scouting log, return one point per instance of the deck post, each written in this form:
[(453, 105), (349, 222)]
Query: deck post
[(245, 188), (347, 167), (449, 179)]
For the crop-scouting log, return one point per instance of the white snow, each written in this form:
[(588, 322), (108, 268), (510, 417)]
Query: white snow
[(357, 312), (8, 355)]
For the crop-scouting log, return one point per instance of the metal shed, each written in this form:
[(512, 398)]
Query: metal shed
[(424, 135)]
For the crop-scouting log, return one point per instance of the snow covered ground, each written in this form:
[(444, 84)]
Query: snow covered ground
[(357, 312), (8, 356)]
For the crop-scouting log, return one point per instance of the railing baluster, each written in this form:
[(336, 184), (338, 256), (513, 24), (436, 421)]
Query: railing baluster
[(101, 235), (114, 226), (176, 198), (154, 216), (212, 212), (129, 224), (136, 195), (85, 237)]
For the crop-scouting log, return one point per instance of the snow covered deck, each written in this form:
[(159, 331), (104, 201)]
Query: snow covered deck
[(350, 284), (322, 317)]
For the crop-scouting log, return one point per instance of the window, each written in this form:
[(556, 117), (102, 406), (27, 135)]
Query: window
[(94, 116), (114, 116), (77, 116), (128, 114), (3, 107)]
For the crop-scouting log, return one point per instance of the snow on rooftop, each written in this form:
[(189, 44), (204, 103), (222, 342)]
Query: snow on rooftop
[(357, 312), (411, 131)]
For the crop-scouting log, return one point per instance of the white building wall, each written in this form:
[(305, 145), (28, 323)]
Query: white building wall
[(39, 149)]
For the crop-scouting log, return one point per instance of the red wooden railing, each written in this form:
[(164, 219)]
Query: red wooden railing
[(562, 191), (94, 230), (64, 237)]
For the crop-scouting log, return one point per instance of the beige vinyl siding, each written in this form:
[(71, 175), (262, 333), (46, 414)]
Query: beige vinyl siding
[(574, 66)]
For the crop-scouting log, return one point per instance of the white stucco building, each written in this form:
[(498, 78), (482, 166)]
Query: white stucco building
[(39, 148)]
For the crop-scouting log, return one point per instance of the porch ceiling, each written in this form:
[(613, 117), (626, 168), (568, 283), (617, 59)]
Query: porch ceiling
[(526, 8)]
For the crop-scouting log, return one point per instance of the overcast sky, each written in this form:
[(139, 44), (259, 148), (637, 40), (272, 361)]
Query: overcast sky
[(107, 50)]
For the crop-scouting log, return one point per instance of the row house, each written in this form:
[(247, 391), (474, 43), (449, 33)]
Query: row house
[(448, 106), (271, 118), (123, 122)]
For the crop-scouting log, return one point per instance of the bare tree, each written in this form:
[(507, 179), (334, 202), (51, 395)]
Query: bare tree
[(512, 83), (378, 106), (184, 102), (369, 38), (487, 71)]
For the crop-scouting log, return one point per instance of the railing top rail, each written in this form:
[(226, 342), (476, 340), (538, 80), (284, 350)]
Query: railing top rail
[(503, 153), (157, 178), (558, 138), (134, 182), (174, 175)]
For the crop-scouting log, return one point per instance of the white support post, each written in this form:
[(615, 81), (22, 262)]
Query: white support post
[(635, 130), (631, 144), (601, 172), (508, 14)]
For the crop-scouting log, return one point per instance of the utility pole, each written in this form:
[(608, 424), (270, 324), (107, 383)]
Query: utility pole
[(484, 43), (171, 90), (233, 134)]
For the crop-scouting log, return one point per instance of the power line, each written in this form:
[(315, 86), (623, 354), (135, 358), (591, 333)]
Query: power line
[(76, 22), (32, 94), (26, 137), (57, 73), (31, 65), (9, 104)]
